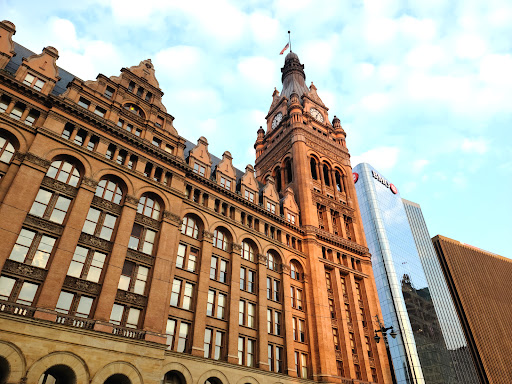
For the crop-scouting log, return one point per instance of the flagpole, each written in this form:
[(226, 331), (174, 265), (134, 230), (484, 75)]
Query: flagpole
[(290, 41)]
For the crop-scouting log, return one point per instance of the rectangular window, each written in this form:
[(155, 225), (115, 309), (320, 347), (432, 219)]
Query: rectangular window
[(271, 207), (299, 330), (336, 339), (170, 331), (219, 269), (213, 344), (249, 196), (198, 168), (142, 239), (34, 82), (301, 364), (125, 316), (133, 278), (225, 183), (157, 142), (273, 289), (74, 304), (187, 258), (159, 122), (273, 322), (87, 264), (182, 294), (84, 103), (183, 337), (50, 206), (296, 298), (275, 358), (247, 314), (100, 224), (32, 248), (17, 291), (291, 218), (100, 111), (109, 92), (246, 351)]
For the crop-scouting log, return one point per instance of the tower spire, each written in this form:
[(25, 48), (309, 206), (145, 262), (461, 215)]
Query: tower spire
[(290, 41)]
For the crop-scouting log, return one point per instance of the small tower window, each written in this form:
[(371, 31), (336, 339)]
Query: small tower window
[(313, 169)]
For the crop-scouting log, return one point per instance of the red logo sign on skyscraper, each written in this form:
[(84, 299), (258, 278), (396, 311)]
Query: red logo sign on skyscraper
[(393, 189), (355, 176)]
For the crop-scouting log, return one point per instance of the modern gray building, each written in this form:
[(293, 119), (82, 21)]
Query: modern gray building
[(430, 346)]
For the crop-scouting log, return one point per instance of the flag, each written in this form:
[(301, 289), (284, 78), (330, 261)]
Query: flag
[(285, 48)]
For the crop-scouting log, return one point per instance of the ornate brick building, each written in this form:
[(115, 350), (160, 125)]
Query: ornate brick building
[(130, 255)]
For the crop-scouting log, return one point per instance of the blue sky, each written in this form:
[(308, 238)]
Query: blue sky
[(423, 88)]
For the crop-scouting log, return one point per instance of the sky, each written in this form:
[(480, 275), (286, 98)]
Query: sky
[(422, 88)]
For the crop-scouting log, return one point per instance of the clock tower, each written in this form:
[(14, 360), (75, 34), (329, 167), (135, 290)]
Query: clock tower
[(303, 152)]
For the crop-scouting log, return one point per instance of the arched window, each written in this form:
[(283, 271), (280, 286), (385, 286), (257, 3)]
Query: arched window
[(189, 227), (312, 164), (295, 271), (6, 150), (134, 109), (64, 171), (220, 240), (247, 251), (327, 178), (289, 174), (339, 186), (58, 374), (118, 378), (148, 206), (109, 190), (272, 261), (277, 177), (174, 377)]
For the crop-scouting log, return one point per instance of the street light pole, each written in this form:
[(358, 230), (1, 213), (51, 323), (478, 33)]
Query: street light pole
[(384, 331)]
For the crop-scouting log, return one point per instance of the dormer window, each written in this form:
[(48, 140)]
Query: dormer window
[(225, 183), (159, 121), (271, 207), (134, 109), (249, 196), (34, 82), (291, 218), (198, 168), (109, 92)]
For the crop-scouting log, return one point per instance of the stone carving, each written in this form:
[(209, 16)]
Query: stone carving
[(262, 258), (131, 200), (55, 116), (172, 217), (46, 225), (338, 355), (31, 158), (139, 257), (355, 358), (236, 247), (131, 298), (82, 285), (207, 235), (285, 268), (90, 182), (24, 270), (147, 221), (106, 205), (334, 322), (59, 186), (95, 242), (20, 156)]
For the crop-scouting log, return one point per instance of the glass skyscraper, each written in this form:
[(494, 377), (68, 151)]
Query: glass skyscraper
[(421, 352)]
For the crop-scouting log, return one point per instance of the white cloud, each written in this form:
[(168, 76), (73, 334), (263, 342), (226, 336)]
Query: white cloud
[(257, 71), (419, 165), (479, 146), (382, 158)]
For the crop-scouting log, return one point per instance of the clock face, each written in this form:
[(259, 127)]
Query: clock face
[(316, 114), (277, 120)]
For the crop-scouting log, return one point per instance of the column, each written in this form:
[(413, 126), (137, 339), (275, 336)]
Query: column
[(356, 321), (288, 324), (10, 107), (64, 253), (8, 178), (158, 304), (87, 139), (115, 265), (234, 299), (262, 313), (18, 201), (201, 295)]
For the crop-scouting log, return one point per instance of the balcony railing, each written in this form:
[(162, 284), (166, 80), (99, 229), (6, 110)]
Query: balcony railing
[(128, 332), (16, 309), (75, 321)]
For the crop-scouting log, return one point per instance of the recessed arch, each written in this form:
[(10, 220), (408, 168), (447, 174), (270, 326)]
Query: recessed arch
[(214, 376), (274, 259), (222, 238), (65, 153), (118, 367), (112, 188), (17, 137), (16, 362), (247, 380), (253, 239), (150, 189), (177, 367), (222, 224), (59, 360), (135, 109), (111, 172), (151, 205), (250, 250), (192, 225)]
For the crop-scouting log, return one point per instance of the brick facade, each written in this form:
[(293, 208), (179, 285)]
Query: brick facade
[(130, 255)]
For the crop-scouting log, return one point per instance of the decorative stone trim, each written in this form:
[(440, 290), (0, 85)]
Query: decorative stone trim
[(55, 116), (59, 186), (131, 200), (34, 159), (347, 244), (262, 258), (24, 270), (207, 235), (131, 298), (139, 257), (19, 156), (90, 182), (147, 221), (172, 217), (236, 247), (95, 242), (82, 285), (43, 224), (285, 268), (106, 205)]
